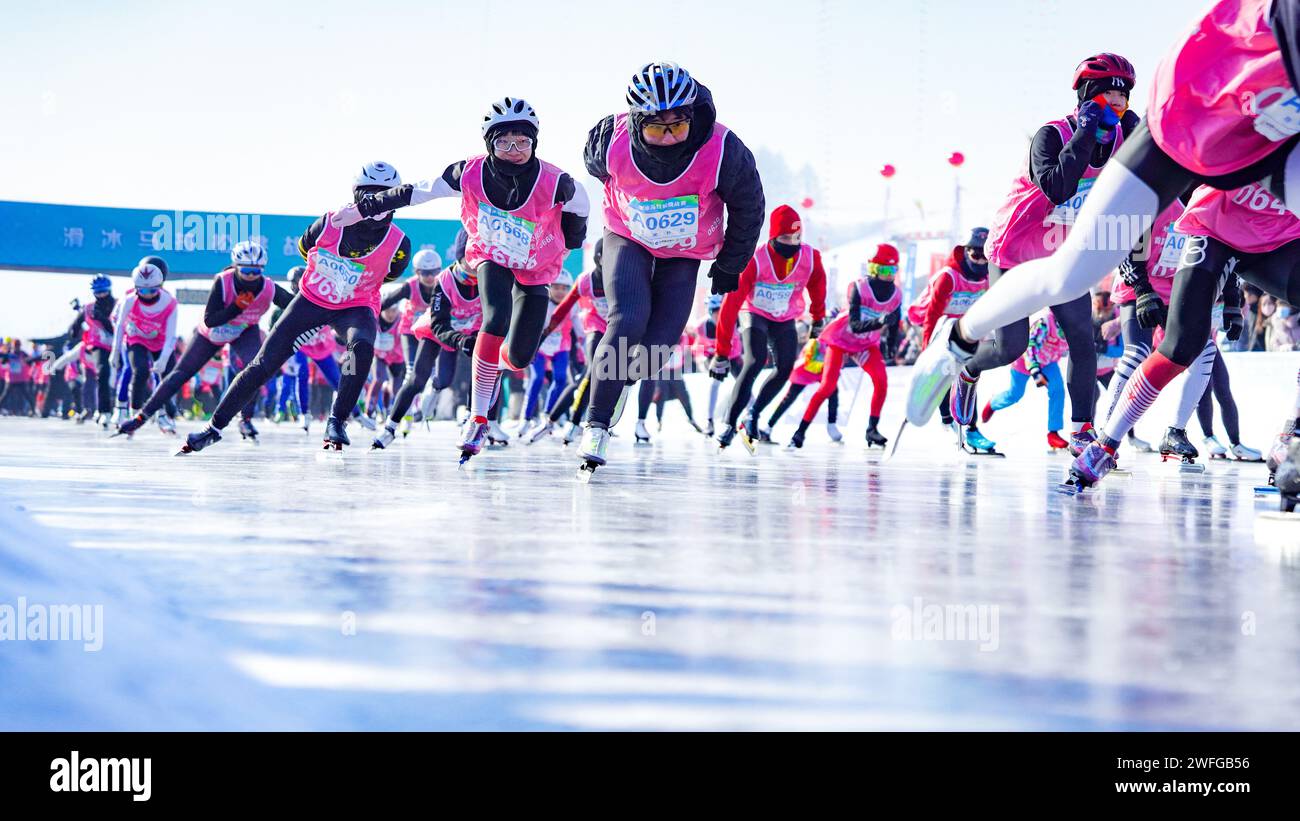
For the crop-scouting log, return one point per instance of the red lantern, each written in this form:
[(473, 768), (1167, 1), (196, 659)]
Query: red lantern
[(888, 171), (806, 202), (956, 159)]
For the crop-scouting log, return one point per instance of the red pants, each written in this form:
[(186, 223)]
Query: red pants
[(873, 364)]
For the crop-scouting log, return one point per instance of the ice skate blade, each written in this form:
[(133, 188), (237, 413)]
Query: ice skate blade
[(328, 456), (585, 471), (1073, 487), (748, 443), (1265, 490), (1191, 468), (992, 453), (1121, 473)]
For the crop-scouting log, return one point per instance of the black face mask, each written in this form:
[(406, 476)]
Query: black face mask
[(597, 281), (785, 250), (975, 270)]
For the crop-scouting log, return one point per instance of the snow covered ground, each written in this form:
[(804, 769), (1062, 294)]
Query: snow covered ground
[(265, 587)]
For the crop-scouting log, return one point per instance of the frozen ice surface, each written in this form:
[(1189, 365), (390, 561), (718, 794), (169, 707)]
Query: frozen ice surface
[(263, 586)]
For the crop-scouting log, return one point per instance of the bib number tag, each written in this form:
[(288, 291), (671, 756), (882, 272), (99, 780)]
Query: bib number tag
[(337, 278), (663, 223), (1172, 252), (462, 323), (772, 297), (384, 342), (551, 344), (226, 333), (601, 304), (507, 233), (1068, 211), (1276, 112)]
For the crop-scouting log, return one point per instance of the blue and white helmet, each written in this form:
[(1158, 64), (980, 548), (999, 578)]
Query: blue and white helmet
[(248, 254), (377, 173), (427, 259), (510, 110), (101, 285), (715, 302), (150, 272), (660, 86)]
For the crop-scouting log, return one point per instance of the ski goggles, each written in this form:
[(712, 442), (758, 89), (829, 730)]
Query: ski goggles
[(882, 271), (250, 270), (513, 143), (147, 292), (677, 129), (429, 274)]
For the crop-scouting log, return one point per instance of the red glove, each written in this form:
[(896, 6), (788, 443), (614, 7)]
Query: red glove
[(244, 298)]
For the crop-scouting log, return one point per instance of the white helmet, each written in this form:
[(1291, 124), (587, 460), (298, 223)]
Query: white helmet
[(427, 259), (509, 110), (565, 278), (660, 86), (148, 273), (248, 254), (377, 173)]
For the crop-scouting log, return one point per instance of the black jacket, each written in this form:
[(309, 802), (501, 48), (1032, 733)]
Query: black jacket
[(359, 240), (217, 313), (440, 317), (739, 185)]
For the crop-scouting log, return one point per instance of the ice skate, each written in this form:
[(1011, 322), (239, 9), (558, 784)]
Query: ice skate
[(365, 422), (1244, 454), (1214, 447), (543, 430), (166, 424), (964, 399), (1056, 443), (977, 444), (198, 441), (247, 431), (694, 424), (833, 432), (746, 439), (496, 435), (1287, 477), (571, 435), (406, 427), (726, 436), (336, 434), (1089, 468), (1176, 445), (875, 439), (642, 434), (935, 370), (525, 429), (306, 424), (708, 429), (796, 440), (1080, 439), (592, 452), (384, 439), (130, 426), (472, 435), (1139, 444)]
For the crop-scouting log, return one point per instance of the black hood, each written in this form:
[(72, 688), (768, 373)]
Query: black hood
[(663, 164)]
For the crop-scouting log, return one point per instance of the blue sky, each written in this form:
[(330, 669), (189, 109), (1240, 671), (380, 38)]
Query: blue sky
[(269, 106)]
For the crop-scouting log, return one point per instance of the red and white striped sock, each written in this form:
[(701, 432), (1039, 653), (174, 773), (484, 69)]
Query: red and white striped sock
[(487, 365), (1140, 394)]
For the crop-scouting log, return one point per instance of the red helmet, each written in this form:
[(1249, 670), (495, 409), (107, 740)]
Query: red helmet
[(886, 254), (1100, 66)]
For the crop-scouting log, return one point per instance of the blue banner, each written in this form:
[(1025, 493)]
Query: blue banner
[(87, 239)]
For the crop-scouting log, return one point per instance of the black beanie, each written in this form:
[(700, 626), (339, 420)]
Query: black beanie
[(1091, 88)]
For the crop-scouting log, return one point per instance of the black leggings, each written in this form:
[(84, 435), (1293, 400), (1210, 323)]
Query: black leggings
[(649, 303), (757, 331), (792, 393), (431, 359), (658, 391), (1074, 318), (103, 388), (298, 324), (197, 354), (141, 360), (1220, 388), (577, 394), (1205, 266), (512, 311)]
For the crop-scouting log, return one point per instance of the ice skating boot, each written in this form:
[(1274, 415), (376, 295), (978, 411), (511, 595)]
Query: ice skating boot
[(166, 424), (987, 413), (642, 434), (1214, 447), (978, 444), (875, 439), (123, 413), (1176, 445), (406, 426), (572, 434), (525, 429), (1080, 439), (724, 438), (935, 370), (198, 441), (496, 435), (130, 426), (796, 440), (1287, 478), (1244, 454), (365, 422), (1139, 444), (384, 439), (747, 437), (543, 430), (760, 434), (1277, 453), (247, 431), (336, 434), (1055, 442), (280, 417), (708, 429), (1089, 468), (833, 432), (472, 436), (965, 399), (694, 424), (592, 452)]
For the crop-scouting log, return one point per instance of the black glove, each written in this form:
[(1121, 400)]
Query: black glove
[(1150, 310), (718, 367), (1233, 322), (816, 329), (722, 282), (858, 326), (1093, 115), (467, 342)]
